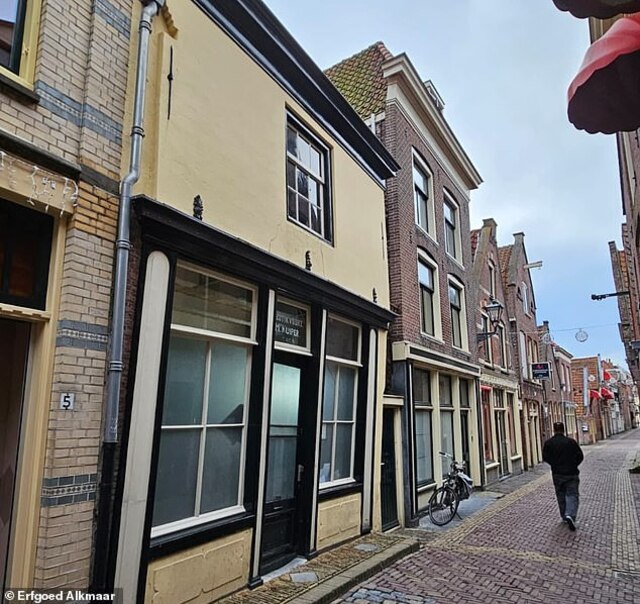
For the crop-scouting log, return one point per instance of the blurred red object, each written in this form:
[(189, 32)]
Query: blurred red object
[(602, 9)]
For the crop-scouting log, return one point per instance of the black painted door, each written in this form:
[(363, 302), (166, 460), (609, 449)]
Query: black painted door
[(388, 490), (464, 428), (284, 466)]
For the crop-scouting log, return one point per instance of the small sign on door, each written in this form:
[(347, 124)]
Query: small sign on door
[(67, 400)]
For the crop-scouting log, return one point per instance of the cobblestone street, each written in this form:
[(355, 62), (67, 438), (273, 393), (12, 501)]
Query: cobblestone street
[(518, 550)]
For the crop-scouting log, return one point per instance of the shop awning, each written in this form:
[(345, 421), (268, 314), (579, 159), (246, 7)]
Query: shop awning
[(485, 388), (602, 9), (607, 395), (594, 394), (605, 94)]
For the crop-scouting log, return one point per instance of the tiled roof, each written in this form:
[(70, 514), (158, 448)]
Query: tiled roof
[(359, 79)]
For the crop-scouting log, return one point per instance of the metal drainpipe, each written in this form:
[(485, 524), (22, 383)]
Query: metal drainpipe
[(103, 561), (150, 10)]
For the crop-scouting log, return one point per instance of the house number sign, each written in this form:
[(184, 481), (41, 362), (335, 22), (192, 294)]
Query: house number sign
[(67, 400), (291, 325)]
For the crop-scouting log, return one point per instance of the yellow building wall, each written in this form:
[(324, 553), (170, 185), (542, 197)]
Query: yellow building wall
[(225, 141), (200, 574), (338, 520)]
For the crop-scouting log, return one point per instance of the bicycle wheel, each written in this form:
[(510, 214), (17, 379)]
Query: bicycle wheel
[(443, 505)]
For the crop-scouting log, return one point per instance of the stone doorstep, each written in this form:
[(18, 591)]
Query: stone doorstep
[(327, 591)]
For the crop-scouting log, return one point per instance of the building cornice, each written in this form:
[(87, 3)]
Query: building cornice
[(399, 70)]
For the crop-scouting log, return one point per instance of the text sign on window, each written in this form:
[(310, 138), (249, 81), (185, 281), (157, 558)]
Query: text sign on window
[(541, 371), (291, 325)]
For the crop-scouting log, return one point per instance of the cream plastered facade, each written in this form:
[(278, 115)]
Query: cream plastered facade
[(221, 144), (225, 140), (200, 574), (338, 520)]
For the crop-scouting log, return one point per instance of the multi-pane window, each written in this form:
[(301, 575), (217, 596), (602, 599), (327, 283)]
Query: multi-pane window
[(446, 396), (503, 346), (487, 432), (421, 193), (455, 304), (423, 414), (426, 278), (340, 401), (486, 342), (512, 423), (12, 18), (202, 440), (464, 393), (524, 290), (450, 227), (492, 279), (308, 200)]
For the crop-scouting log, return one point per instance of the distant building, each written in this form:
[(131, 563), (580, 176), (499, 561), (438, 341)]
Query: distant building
[(502, 436), (523, 330), (433, 371)]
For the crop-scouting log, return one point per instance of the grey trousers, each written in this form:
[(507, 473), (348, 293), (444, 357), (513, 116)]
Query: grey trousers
[(567, 494)]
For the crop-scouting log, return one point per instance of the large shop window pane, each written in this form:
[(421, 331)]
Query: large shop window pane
[(446, 399), (446, 421), (228, 382), (185, 382), (424, 458), (346, 393), (221, 474), (209, 303), (342, 340), (176, 482), (421, 387), (330, 378), (344, 433), (326, 451)]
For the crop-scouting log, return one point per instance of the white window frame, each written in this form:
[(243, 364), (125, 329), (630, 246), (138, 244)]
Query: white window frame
[(210, 337), (492, 278), (464, 336), (437, 316), (487, 348), (524, 363), (449, 200), (356, 364), (422, 167), (504, 362), (325, 201), (419, 408)]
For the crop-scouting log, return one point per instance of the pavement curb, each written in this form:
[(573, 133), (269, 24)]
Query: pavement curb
[(333, 588)]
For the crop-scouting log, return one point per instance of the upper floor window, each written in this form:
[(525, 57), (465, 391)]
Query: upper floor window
[(492, 279), (456, 305), (11, 33), (308, 191), (525, 297), (423, 199), (426, 278), (451, 230)]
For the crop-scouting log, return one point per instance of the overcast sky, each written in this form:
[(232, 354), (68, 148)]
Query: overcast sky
[(503, 68)]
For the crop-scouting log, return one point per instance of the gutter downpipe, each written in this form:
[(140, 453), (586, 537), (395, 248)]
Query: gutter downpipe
[(103, 562)]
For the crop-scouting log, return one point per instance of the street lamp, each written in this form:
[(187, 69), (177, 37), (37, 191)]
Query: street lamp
[(603, 296), (494, 312)]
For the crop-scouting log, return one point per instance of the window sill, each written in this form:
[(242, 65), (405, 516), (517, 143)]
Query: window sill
[(426, 487), (456, 261), (424, 334), (338, 490), (199, 534), (23, 91), (515, 457), (489, 465), (464, 351), (422, 231)]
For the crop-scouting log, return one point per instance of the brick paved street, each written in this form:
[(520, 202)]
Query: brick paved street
[(517, 550)]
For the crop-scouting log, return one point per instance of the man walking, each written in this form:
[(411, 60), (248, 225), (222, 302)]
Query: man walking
[(564, 456)]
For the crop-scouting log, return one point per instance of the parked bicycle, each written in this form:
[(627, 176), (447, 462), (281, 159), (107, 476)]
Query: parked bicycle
[(456, 487)]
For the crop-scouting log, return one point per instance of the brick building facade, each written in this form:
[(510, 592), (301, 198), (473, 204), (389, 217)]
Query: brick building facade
[(61, 108), (499, 387), (523, 331), (587, 380), (433, 366)]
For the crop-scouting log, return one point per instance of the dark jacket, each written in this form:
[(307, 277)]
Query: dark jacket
[(563, 454)]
